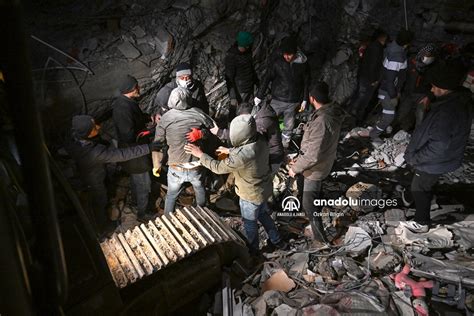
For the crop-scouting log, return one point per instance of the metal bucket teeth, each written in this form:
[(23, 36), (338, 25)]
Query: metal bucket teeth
[(149, 247)]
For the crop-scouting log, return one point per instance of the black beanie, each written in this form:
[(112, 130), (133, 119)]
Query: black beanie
[(448, 75), (289, 45), (404, 37), (82, 125), (320, 92), (183, 69), (128, 84)]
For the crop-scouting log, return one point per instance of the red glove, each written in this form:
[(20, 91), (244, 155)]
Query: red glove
[(194, 135), (143, 134)]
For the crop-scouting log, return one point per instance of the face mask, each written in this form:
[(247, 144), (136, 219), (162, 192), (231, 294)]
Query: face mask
[(428, 60), (185, 83)]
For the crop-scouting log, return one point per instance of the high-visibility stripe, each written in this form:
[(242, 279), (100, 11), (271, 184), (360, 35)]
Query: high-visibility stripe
[(381, 96), (390, 112), (380, 129), (394, 65)]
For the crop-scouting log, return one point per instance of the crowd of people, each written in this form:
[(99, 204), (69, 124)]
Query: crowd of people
[(180, 137)]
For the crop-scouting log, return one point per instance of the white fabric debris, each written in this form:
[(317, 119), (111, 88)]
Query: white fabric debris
[(356, 241), (436, 238)]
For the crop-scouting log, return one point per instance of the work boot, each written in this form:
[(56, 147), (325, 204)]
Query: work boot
[(282, 245)]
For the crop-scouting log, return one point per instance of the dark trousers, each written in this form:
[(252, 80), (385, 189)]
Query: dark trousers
[(421, 188), (311, 192), (140, 184), (365, 93), (98, 200)]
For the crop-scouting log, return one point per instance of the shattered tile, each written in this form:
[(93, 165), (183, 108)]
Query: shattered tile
[(284, 310), (273, 298)]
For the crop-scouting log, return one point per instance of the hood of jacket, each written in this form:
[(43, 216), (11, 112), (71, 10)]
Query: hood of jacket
[(180, 99), (243, 130)]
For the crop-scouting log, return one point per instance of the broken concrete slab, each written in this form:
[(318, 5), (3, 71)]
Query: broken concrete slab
[(250, 290), (138, 31), (260, 306), (273, 298), (284, 310), (403, 303), (300, 263), (163, 42), (128, 50)]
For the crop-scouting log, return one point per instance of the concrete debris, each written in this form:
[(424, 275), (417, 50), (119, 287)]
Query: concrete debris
[(464, 233), (363, 191), (436, 238), (357, 132), (394, 216), (138, 31), (356, 241), (320, 309), (164, 42), (284, 310), (300, 263), (182, 4), (384, 259), (260, 306), (464, 174), (249, 290), (391, 152), (341, 56), (403, 303), (128, 50), (273, 298)]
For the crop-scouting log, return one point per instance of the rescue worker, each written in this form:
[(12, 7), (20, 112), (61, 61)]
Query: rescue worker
[(248, 162), (184, 79), (129, 122), (317, 154), (239, 72), (369, 75), (91, 157), (438, 143), (393, 78), (174, 130), (289, 74)]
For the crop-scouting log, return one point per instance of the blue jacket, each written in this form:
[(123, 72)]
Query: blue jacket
[(437, 145)]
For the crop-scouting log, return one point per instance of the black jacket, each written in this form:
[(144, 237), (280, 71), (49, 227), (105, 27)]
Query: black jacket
[(371, 63), (267, 125), (289, 80), (91, 157), (159, 104), (129, 121), (437, 145), (239, 72)]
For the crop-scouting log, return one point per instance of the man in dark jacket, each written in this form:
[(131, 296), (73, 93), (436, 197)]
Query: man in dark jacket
[(248, 162), (437, 145), (393, 78), (91, 157), (267, 125), (173, 130), (129, 121), (369, 75), (417, 94), (184, 79), (289, 74), (239, 72), (318, 153)]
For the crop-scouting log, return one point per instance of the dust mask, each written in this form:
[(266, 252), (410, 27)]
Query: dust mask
[(428, 60)]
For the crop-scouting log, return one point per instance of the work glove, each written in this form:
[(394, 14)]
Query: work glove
[(257, 101), (194, 135), (143, 134), (156, 172)]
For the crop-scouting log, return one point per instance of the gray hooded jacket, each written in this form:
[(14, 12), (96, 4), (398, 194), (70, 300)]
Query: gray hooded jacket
[(247, 161), (177, 122)]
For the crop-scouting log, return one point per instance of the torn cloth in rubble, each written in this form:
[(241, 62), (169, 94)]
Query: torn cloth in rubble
[(464, 232), (436, 238)]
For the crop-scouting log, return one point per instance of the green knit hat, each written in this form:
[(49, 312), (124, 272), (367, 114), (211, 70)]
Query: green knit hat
[(244, 39)]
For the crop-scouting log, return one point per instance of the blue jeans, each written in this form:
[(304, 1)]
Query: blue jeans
[(140, 184), (251, 213), (175, 183)]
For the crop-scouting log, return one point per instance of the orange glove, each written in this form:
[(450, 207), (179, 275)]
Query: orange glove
[(194, 135)]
